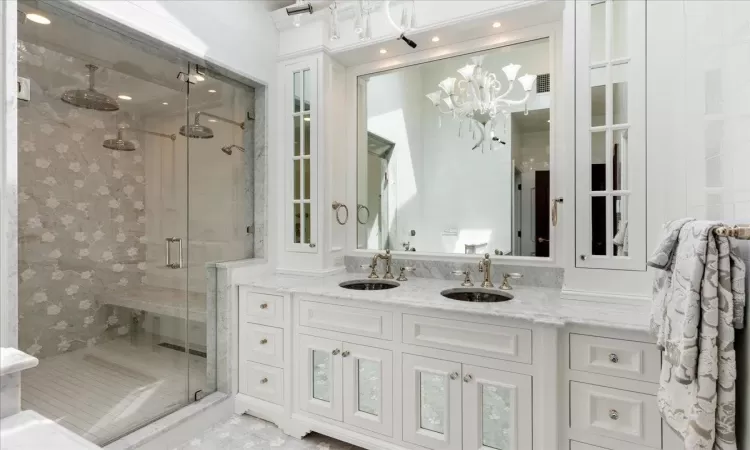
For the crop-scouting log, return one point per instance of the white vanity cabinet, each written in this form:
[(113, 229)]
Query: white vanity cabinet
[(449, 405), (346, 382)]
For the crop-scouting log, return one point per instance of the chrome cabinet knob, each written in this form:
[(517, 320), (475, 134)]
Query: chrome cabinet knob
[(263, 380), (335, 352), (454, 376), (613, 414), (264, 306), (263, 341), (346, 353), (468, 378), (312, 245), (613, 358)]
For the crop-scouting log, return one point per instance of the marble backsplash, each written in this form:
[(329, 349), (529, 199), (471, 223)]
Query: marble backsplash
[(547, 277)]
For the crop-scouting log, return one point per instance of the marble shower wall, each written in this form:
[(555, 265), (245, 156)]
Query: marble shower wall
[(81, 211)]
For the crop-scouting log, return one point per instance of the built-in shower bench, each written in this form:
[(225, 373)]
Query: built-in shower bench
[(160, 300)]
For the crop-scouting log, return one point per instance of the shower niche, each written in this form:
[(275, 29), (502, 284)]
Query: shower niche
[(131, 183)]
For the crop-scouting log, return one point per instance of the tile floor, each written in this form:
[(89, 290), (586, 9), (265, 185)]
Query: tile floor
[(244, 432)]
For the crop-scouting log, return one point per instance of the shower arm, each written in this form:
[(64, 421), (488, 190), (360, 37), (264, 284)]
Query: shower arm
[(154, 133), (200, 113)]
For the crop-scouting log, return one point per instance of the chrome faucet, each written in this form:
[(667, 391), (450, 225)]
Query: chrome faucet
[(506, 284), (374, 265), (485, 265)]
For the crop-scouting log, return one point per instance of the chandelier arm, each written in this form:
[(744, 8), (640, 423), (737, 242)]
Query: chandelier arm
[(507, 91), (517, 102)]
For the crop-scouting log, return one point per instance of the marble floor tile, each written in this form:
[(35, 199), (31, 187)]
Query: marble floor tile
[(246, 432)]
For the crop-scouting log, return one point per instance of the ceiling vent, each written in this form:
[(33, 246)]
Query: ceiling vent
[(542, 83)]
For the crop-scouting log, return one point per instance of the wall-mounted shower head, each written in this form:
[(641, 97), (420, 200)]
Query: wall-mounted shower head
[(228, 149), (198, 131), (119, 144), (90, 98)]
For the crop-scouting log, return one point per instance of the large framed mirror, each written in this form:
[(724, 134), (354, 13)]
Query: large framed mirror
[(453, 155)]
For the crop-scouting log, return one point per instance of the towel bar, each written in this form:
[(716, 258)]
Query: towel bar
[(737, 232)]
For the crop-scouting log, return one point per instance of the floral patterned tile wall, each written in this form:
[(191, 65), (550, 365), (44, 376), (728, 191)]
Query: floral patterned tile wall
[(81, 211)]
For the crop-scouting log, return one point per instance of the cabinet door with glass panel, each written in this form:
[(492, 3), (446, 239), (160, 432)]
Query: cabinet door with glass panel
[(611, 134), (301, 145), (347, 382)]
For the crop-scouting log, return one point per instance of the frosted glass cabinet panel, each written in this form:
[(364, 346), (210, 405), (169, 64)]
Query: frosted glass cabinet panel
[(368, 388), (320, 381), (432, 402), (497, 409)]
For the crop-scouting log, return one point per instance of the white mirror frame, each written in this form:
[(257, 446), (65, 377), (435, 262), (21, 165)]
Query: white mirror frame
[(553, 32)]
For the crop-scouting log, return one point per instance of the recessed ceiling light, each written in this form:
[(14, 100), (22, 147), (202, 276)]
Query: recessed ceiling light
[(496, 25), (164, 103), (435, 39), (212, 120), (212, 91), (124, 97), (383, 51), (36, 18), (199, 77)]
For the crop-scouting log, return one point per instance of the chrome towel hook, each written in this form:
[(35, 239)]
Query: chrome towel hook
[(338, 207)]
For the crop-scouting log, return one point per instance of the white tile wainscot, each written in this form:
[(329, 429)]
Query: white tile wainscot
[(405, 368)]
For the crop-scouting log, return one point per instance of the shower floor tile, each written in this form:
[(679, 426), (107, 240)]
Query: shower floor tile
[(106, 391), (245, 432)]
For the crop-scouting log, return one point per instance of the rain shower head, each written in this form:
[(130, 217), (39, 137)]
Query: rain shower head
[(199, 131), (90, 98), (119, 144)]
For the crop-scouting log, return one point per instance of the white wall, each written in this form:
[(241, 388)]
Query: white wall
[(699, 123)]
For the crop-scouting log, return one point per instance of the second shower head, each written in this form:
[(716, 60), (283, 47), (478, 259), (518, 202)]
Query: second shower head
[(198, 131)]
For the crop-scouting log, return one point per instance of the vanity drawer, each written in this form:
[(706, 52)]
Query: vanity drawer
[(262, 344), (615, 413), (512, 344), (261, 308), (627, 359), (264, 382), (359, 321)]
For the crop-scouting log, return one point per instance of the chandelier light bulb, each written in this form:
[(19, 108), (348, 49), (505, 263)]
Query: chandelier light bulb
[(511, 70), (434, 97), (447, 85), (527, 81), (467, 71)]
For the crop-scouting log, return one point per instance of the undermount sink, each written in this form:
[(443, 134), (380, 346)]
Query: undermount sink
[(369, 285), (478, 295)]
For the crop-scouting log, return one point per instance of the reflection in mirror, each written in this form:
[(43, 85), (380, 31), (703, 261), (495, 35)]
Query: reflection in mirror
[(454, 155)]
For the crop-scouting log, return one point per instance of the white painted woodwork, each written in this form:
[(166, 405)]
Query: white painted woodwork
[(617, 357), (574, 445), (346, 319), (513, 344), (449, 435), (261, 308), (637, 416), (474, 412), (263, 382), (379, 420), (263, 344), (331, 405)]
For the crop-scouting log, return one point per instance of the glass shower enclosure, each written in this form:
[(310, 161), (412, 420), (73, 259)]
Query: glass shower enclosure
[(132, 177)]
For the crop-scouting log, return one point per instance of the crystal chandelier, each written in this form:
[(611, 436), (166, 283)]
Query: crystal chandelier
[(362, 22), (479, 97)]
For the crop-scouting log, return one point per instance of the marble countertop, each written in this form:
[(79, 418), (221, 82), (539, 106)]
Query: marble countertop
[(535, 305), (13, 360)]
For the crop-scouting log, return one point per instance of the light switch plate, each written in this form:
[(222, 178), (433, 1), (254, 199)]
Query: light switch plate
[(24, 89)]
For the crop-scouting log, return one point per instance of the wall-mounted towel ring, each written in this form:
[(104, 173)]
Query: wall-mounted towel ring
[(367, 210), (555, 201), (338, 207)]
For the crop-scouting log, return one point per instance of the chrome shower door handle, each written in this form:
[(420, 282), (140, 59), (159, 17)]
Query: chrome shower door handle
[(168, 253)]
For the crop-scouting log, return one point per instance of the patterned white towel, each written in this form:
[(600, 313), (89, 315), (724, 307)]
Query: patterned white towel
[(699, 300)]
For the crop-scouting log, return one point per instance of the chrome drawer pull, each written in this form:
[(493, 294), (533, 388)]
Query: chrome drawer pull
[(263, 341), (468, 378), (346, 353), (264, 306), (454, 376), (613, 414), (335, 352), (263, 380), (613, 358)]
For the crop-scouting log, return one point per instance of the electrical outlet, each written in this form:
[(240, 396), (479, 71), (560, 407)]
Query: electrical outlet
[(24, 89)]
